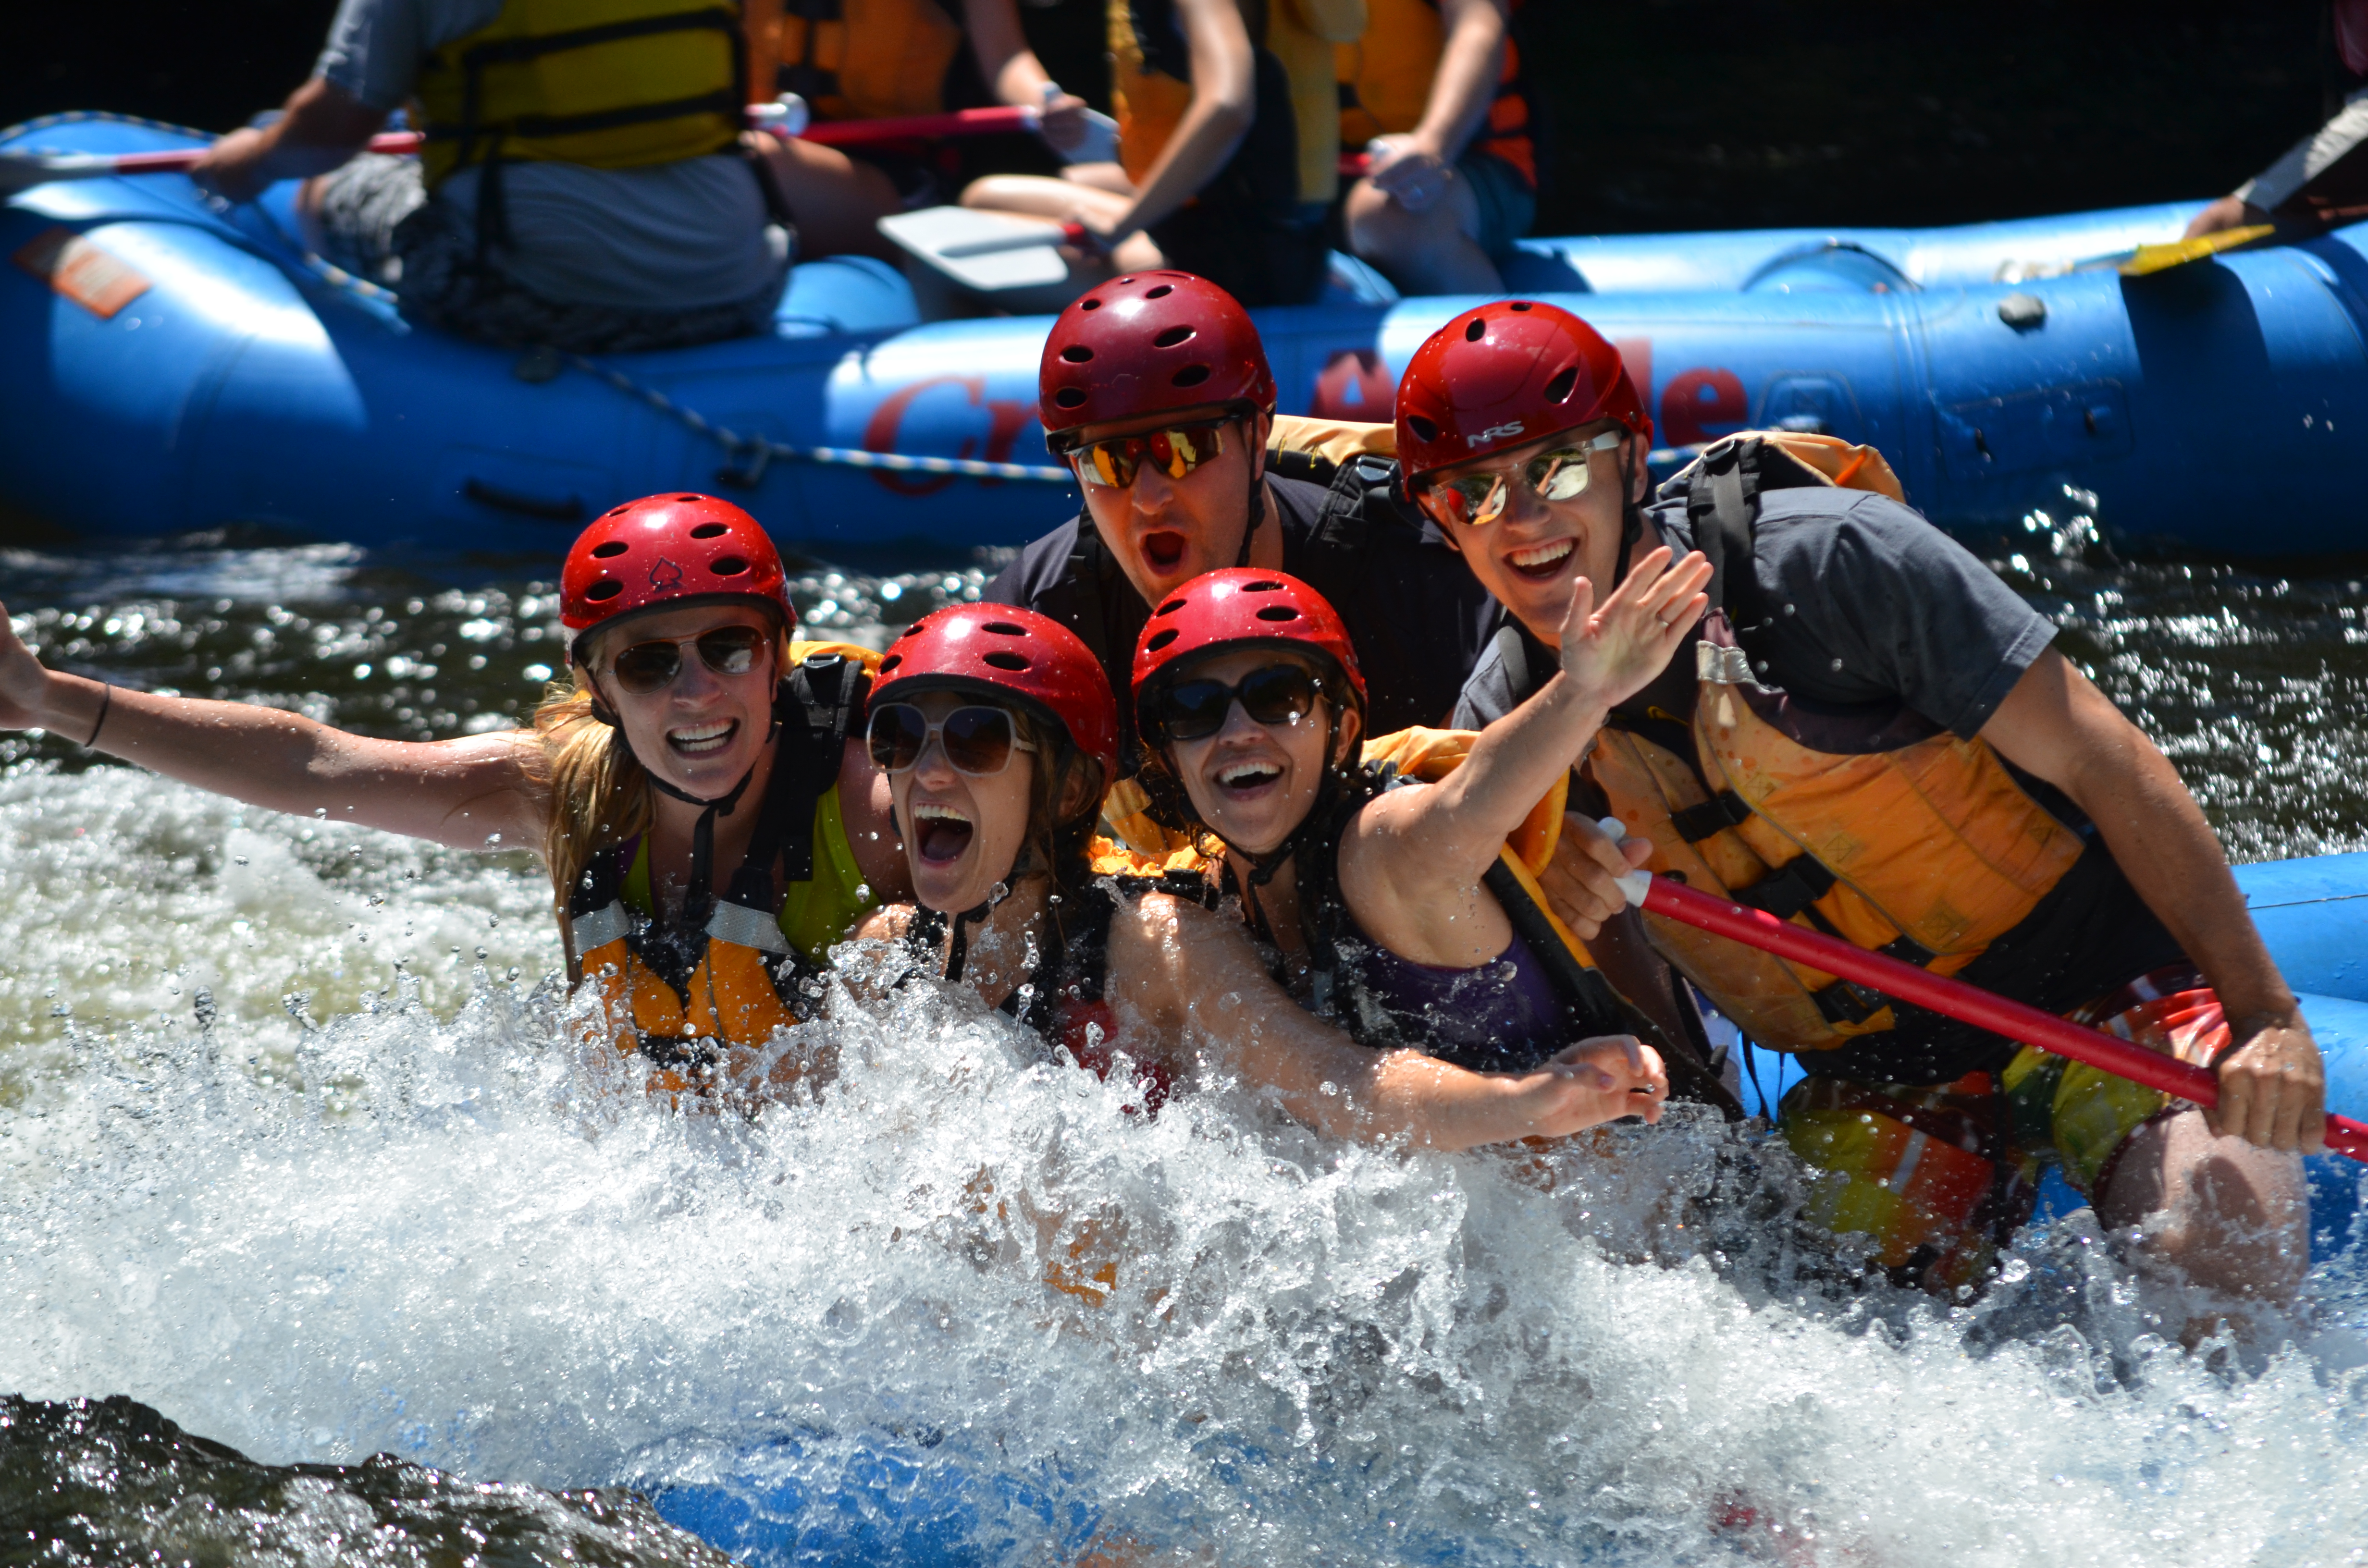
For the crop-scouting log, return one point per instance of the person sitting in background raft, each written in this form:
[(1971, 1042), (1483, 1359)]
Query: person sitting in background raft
[(2322, 180), (711, 824), (1434, 93), (888, 59), (997, 731), (584, 184), (1396, 905), (1228, 148), (1870, 733)]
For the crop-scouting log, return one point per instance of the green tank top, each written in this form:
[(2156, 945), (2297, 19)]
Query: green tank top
[(817, 913)]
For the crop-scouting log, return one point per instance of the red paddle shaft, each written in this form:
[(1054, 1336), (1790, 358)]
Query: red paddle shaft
[(833, 133), (1958, 1000)]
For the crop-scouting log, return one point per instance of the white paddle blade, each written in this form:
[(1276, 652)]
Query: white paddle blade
[(954, 241)]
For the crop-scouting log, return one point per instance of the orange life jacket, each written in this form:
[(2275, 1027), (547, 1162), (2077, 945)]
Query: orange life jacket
[(679, 1004), (1897, 836), (852, 58), (1383, 83)]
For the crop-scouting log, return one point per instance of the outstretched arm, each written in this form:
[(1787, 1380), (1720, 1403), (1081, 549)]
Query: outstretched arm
[(455, 792), (1196, 978), (1417, 850), (2056, 723), (322, 126)]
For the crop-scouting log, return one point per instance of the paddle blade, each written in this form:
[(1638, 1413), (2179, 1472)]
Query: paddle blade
[(2177, 253)]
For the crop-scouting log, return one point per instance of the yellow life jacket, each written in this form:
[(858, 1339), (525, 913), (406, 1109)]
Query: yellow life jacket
[(607, 84), (853, 59), (680, 1004), (1892, 833)]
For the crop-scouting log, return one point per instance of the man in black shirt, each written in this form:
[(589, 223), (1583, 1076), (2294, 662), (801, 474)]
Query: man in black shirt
[(1872, 735), (1155, 389)]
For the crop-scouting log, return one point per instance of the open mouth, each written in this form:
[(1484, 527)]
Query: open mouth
[(1165, 550), (702, 740), (1244, 779), (1541, 562), (942, 833)]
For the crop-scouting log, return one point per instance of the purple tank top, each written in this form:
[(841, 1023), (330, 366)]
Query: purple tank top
[(1501, 1017)]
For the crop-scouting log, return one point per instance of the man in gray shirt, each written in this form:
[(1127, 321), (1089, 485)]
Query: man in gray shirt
[(1870, 735), (560, 216)]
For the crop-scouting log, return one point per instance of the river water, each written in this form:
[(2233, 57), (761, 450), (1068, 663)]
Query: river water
[(296, 1154)]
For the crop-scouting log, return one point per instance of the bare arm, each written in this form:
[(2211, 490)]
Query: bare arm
[(1014, 73), (455, 792), (2057, 724), (322, 126), (1197, 978), (1471, 58), (1411, 858), (1225, 97)]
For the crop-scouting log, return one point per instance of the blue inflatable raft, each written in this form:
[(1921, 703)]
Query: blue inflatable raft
[(174, 364)]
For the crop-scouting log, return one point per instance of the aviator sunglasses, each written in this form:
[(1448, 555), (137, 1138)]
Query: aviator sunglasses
[(1175, 452), (646, 667), (978, 740), (1275, 694), (1476, 500)]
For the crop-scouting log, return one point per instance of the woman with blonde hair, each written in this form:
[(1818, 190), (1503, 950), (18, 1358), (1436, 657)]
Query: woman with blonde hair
[(709, 830)]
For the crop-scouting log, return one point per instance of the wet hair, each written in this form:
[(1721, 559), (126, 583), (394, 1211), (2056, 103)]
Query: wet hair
[(598, 790), (1059, 846)]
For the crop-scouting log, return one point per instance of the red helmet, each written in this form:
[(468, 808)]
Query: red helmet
[(1005, 652), (668, 550), (1144, 343), (1243, 606), (1502, 374)]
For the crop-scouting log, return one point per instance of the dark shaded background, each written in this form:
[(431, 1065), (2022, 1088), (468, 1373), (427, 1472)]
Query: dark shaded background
[(1662, 114)]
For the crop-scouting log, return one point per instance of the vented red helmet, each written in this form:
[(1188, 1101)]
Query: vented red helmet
[(1502, 374), (1148, 342), (668, 551), (1242, 607), (1002, 650)]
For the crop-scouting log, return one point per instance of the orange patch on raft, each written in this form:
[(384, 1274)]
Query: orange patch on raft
[(86, 273)]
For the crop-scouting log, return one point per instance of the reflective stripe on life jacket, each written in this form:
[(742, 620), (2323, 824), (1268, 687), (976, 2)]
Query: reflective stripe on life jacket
[(607, 84), (1883, 829), (853, 59), (1383, 80), (679, 999)]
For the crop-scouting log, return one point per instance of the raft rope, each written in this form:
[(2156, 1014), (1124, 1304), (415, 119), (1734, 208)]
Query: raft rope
[(757, 452), (753, 454)]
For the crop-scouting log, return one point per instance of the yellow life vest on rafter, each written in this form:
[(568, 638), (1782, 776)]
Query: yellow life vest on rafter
[(606, 83)]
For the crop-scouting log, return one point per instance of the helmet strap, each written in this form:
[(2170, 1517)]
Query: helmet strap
[(1254, 511)]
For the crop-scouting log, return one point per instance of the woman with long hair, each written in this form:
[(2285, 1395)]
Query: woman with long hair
[(998, 733), (709, 830), (1382, 896)]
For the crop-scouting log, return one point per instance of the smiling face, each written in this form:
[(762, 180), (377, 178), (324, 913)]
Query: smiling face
[(1254, 783), (962, 834), (705, 730), (1530, 557), (1167, 532)]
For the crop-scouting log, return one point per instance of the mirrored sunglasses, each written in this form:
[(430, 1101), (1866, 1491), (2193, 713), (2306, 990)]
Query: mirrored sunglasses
[(1175, 452), (1476, 500)]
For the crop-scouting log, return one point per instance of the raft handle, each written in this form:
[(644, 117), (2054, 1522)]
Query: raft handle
[(564, 509)]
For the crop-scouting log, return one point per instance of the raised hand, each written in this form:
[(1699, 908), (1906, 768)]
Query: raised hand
[(1616, 651)]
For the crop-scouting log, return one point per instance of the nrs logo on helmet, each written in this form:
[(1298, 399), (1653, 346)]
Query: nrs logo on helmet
[(1493, 433)]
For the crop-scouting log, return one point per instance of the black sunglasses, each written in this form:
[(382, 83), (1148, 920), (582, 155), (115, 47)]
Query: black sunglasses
[(646, 667), (1273, 694)]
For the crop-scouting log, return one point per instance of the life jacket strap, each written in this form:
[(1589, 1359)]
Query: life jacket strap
[(1720, 812)]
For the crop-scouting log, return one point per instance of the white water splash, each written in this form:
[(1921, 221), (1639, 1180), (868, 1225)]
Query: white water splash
[(413, 1220)]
